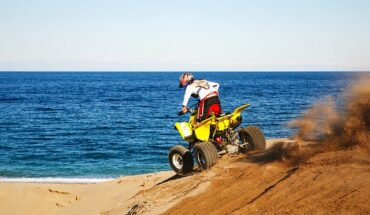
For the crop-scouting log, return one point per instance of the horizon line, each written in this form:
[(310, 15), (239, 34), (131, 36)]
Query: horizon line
[(3, 71)]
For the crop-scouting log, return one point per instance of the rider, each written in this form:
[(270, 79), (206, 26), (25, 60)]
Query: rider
[(205, 91)]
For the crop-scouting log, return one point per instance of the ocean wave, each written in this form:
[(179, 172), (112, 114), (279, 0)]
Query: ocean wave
[(56, 180), (47, 109), (11, 100)]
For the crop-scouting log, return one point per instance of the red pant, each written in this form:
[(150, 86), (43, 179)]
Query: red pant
[(207, 106)]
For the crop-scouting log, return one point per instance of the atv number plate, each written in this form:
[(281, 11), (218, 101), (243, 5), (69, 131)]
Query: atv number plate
[(185, 129)]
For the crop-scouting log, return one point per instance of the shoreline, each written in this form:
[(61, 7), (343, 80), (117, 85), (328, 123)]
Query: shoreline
[(113, 196), (88, 180), (56, 180), (74, 198)]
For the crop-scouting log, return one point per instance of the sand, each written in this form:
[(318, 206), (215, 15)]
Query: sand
[(329, 182), (335, 182), (44, 198)]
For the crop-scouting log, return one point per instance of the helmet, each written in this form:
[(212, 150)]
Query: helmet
[(185, 79)]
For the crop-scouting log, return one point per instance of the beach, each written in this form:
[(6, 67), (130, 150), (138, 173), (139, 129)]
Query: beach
[(112, 197), (330, 181), (97, 198)]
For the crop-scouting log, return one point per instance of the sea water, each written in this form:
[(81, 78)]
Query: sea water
[(92, 126)]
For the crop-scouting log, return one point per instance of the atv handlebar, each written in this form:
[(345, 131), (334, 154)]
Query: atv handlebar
[(188, 110)]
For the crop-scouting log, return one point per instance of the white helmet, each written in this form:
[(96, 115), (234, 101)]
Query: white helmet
[(185, 79)]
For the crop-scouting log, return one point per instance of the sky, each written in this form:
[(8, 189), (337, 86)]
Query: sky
[(192, 35)]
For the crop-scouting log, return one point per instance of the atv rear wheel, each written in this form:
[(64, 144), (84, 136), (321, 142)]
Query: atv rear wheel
[(254, 136), (181, 160), (205, 154)]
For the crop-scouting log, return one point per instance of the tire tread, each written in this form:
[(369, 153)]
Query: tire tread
[(187, 159), (255, 136)]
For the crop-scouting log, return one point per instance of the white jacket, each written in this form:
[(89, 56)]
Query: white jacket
[(194, 88)]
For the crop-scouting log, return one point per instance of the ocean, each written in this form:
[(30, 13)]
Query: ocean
[(93, 126)]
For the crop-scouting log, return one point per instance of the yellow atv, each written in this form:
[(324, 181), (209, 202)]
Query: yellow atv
[(213, 137)]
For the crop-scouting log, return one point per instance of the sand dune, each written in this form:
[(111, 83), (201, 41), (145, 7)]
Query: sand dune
[(331, 182)]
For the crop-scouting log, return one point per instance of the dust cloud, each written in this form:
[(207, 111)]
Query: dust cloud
[(328, 125), (340, 124)]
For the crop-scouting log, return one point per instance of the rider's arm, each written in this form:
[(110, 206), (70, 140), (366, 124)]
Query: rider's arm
[(188, 92)]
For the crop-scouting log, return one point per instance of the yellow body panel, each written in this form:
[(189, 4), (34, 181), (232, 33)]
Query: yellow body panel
[(202, 129)]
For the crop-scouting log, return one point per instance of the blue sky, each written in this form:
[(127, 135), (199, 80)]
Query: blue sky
[(185, 35)]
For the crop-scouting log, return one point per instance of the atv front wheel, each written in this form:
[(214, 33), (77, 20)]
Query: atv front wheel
[(254, 137), (205, 154), (181, 160)]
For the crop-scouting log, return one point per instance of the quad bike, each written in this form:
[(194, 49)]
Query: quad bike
[(213, 137)]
